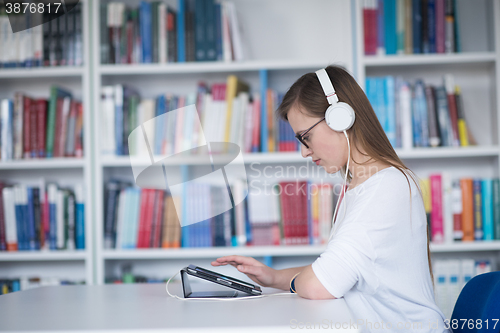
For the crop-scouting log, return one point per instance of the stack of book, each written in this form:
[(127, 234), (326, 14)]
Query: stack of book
[(9, 285), (225, 113), (297, 212), (419, 115), (41, 218), (410, 27), (450, 276), (197, 30), (461, 210), (57, 42), (37, 128)]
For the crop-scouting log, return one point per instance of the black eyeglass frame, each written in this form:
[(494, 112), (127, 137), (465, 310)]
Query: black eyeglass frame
[(299, 136)]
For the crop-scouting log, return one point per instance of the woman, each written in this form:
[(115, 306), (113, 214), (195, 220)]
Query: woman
[(377, 257)]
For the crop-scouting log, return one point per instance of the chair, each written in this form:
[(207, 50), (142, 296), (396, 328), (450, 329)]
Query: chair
[(479, 300)]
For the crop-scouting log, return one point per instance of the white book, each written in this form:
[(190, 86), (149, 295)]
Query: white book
[(52, 197), (235, 120), (120, 219), (108, 143), (325, 213), (17, 124), (189, 114), (38, 42), (146, 118), (162, 33), (6, 129), (239, 193), (227, 54), (5, 30), (447, 207), (235, 30), (440, 271), (171, 125), (206, 120), (406, 116), (248, 127), (454, 284), (60, 219), (10, 217), (136, 195), (468, 271), (483, 267), (64, 126)]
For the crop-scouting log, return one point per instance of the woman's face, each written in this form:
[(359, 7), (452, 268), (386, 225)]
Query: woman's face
[(325, 144)]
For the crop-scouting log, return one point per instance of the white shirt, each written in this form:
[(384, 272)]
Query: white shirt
[(377, 259)]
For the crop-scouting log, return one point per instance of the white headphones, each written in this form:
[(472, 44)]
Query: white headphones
[(339, 116)]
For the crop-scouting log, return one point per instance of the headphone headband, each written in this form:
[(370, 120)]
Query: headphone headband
[(327, 86)]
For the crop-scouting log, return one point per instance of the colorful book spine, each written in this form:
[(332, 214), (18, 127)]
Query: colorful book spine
[(487, 205), (478, 210), (437, 227)]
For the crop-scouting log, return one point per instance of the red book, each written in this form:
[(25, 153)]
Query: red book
[(142, 218), (440, 25), (148, 218), (41, 130), (452, 106), (370, 29), (130, 40), (66, 107), (437, 230), (303, 223), (33, 127), (285, 211), (27, 128)]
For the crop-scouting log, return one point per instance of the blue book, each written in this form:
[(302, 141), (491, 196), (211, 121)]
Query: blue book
[(248, 226), (21, 244), (159, 124), (420, 107), (487, 196), (181, 31), (263, 115), (200, 26), (380, 27), (431, 25), (79, 219), (390, 107), (380, 99), (218, 32), (417, 26), (391, 41), (211, 37), (416, 120), (52, 225), (478, 210), (16, 286), (31, 220), (146, 32)]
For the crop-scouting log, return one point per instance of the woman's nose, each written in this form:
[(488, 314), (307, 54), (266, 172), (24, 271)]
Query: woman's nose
[(304, 151)]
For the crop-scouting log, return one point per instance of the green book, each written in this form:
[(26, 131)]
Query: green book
[(55, 94)]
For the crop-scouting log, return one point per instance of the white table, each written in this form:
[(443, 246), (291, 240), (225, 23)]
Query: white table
[(147, 307)]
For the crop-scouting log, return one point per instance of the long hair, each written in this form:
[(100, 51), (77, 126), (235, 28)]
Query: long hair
[(366, 133)]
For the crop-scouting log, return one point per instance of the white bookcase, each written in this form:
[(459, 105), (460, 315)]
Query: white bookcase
[(75, 265), (287, 38), (476, 71)]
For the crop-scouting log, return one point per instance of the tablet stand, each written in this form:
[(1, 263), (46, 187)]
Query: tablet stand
[(188, 293)]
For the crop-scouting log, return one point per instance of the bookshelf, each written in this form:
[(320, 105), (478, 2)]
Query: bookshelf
[(74, 265), (290, 39), (476, 70)]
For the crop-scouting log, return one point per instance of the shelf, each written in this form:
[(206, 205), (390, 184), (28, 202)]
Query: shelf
[(43, 255), (466, 246), (449, 152), (207, 67), (429, 59), (9, 73), (214, 252), (296, 157), (43, 163), (275, 251)]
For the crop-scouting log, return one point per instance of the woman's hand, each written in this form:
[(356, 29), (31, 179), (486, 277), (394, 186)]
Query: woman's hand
[(258, 272)]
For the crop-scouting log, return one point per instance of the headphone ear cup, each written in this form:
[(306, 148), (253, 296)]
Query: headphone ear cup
[(340, 116)]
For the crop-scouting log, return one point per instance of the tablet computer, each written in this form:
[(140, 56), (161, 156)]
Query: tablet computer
[(246, 288)]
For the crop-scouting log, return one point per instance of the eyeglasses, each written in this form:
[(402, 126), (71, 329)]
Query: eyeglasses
[(301, 135)]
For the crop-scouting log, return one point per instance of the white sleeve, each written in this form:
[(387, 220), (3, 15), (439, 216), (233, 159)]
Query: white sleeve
[(340, 267)]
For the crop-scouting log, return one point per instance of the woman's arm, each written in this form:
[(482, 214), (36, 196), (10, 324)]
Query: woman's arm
[(307, 284)]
